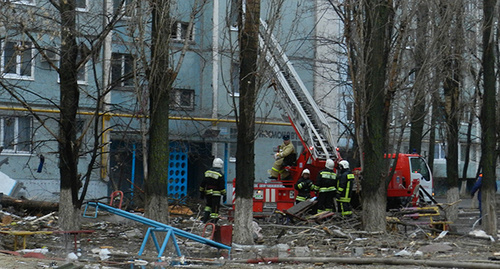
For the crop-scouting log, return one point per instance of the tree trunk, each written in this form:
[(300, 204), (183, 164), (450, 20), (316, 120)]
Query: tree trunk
[(488, 121), (161, 78), (69, 205), (451, 87), (31, 206), (452, 197), (245, 162), (432, 132), (377, 202), (374, 189), (463, 189), (71, 216), (243, 227), (418, 112)]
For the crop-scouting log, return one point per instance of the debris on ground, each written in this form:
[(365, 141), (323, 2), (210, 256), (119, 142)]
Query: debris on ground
[(282, 241)]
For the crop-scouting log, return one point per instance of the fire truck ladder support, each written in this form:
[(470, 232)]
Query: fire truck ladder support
[(296, 100), (155, 226)]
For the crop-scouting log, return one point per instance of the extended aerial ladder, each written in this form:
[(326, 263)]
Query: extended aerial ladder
[(307, 119), (309, 123)]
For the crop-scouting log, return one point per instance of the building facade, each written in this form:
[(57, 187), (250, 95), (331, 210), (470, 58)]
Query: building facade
[(204, 55)]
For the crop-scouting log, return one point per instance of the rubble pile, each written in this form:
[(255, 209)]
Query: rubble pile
[(114, 242)]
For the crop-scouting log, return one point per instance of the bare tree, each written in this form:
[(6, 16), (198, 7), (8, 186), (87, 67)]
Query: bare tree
[(419, 111), (245, 166), (488, 119), (76, 45), (375, 29), (451, 50), (69, 103), (156, 182)]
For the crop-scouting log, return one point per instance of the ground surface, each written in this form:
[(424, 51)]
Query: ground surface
[(339, 243)]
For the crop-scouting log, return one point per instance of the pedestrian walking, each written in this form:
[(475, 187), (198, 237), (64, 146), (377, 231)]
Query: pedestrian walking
[(477, 188)]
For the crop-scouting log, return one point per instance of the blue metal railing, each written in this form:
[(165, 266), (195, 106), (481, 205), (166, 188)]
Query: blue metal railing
[(155, 226)]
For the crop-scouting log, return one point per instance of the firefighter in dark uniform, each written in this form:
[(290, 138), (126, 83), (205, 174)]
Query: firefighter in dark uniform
[(344, 189), (212, 188), (304, 186), (325, 188)]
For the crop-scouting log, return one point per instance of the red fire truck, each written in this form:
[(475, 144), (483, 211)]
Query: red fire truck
[(316, 135)]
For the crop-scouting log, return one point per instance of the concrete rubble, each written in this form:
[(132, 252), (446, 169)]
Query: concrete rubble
[(115, 243)]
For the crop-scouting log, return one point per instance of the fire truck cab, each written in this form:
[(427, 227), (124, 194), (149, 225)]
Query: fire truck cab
[(412, 181)]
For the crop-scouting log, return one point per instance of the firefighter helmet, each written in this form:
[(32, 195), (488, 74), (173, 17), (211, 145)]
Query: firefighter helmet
[(306, 171), (344, 164), (217, 163), (329, 164)]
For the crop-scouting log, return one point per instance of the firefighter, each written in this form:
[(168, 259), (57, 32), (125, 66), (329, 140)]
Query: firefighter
[(211, 189), (285, 156), (325, 188), (344, 189), (304, 187)]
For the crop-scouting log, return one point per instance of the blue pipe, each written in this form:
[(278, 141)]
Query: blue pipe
[(132, 178)]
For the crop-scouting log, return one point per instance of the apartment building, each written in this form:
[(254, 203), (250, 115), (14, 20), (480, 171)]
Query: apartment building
[(203, 102)]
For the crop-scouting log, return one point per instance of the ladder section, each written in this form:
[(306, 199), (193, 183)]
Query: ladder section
[(295, 99)]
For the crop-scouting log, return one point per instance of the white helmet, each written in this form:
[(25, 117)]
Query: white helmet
[(306, 171), (217, 163), (329, 164), (344, 164)]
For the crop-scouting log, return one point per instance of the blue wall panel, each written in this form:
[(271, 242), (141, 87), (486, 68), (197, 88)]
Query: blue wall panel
[(177, 173)]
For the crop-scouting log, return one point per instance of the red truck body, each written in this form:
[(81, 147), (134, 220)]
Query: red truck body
[(411, 173)]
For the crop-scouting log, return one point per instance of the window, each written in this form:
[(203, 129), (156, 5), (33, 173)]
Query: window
[(123, 7), (439, 151), (233, 134), (182, 99), (180, 31), (472, 152), (15, 134), (24, 2), (233, 15), (235, 79), (122, 70), (80, 129), (17, 60), (349, 106), (232, 152), (81, 76), (418, 165), (81, 5), (467, 113)]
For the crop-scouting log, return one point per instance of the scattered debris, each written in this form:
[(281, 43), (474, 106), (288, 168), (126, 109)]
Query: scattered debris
[(303, 242), (435, 248), (481, 234)]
